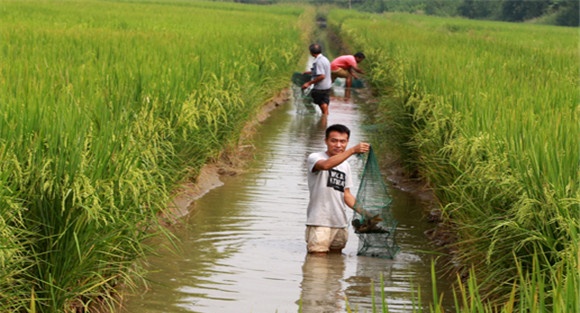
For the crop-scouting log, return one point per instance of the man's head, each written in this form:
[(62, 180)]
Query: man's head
[(336, 139), (315, 49), (359, 57)]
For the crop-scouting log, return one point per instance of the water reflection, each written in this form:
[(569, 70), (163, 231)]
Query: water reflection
[(322, 290)]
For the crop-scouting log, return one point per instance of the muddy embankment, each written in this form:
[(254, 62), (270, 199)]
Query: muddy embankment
[(229, 163)]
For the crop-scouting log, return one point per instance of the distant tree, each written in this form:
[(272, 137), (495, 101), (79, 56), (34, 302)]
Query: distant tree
[(411, 6), (521, 10), (442, 7), (563, 12), (569, 13), (376, 6), (478, 9)]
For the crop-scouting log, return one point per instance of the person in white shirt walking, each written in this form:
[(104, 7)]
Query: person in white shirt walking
[(321, 79)]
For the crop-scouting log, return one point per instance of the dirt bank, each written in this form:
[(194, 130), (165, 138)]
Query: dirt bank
[(440, 235), (229, 163)]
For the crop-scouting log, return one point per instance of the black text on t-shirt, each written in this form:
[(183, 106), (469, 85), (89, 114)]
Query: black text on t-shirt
[(336, 180)]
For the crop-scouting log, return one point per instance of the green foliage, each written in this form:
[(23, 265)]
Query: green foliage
[(480, 9), (489, 132), (106, 107), (568, 14), (566, 11), (552, 12), (442, 7)]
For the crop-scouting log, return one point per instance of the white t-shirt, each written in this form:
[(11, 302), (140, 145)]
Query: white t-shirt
[(320, 66), (326, 206)]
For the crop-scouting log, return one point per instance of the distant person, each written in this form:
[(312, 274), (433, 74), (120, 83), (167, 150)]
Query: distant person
[(321, 79), (346, 66), (329, 183)]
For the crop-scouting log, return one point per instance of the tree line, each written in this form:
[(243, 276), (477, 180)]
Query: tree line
[(554, 12)]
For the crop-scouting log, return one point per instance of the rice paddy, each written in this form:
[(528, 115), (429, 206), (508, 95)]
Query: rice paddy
[(488, 112), (106, 107)]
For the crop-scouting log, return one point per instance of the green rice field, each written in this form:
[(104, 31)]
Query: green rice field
[(106, 106), (488, 114)]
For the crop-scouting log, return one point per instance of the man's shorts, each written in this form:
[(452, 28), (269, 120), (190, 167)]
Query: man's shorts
[(339, 73), (323, 239), (320, 96)]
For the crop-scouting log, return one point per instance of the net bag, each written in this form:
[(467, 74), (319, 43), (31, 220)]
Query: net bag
[(302, 98), (299, 79), (357, 83), (374, 225)]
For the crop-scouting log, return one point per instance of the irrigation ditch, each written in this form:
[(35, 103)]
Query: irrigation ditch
[(212, 270), (240, 231)]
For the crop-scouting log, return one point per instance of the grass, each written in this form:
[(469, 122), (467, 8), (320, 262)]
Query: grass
[(527, 294), (106, 107), (485, 112)]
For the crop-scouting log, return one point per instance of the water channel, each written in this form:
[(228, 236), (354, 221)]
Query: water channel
[(242, 248)]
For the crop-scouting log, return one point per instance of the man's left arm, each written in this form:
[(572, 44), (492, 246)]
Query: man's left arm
[(358, 70), (317, 79), (350, 201), (355, 69)]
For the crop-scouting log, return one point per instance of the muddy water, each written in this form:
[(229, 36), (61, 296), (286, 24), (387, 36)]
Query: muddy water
[(242, 250)]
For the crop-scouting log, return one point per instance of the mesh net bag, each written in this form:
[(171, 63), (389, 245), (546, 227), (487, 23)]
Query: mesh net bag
[(357, 83), (302, 98), (299, 79), (374, 225)]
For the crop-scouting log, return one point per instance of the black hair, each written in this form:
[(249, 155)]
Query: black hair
[(360, 55), (315, 48), (338, 128)]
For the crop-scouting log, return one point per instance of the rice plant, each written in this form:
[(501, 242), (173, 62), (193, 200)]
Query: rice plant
[(105, 108), (487, 112)]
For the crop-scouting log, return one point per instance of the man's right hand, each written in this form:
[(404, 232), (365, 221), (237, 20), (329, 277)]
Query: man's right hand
[(362, 147)]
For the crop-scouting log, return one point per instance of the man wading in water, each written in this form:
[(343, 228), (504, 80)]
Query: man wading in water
[(321, 79), (329, 183)]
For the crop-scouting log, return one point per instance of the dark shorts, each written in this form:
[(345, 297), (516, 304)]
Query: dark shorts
[(320, 96)]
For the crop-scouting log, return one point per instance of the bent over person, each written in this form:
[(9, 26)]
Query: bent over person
[(329, 184), (346, 66)]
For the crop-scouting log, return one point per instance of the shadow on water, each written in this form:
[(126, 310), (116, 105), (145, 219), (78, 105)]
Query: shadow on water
[(242, 248)]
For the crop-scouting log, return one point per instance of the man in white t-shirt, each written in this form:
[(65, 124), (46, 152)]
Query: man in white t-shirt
[(329, 183), (321, 79)]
